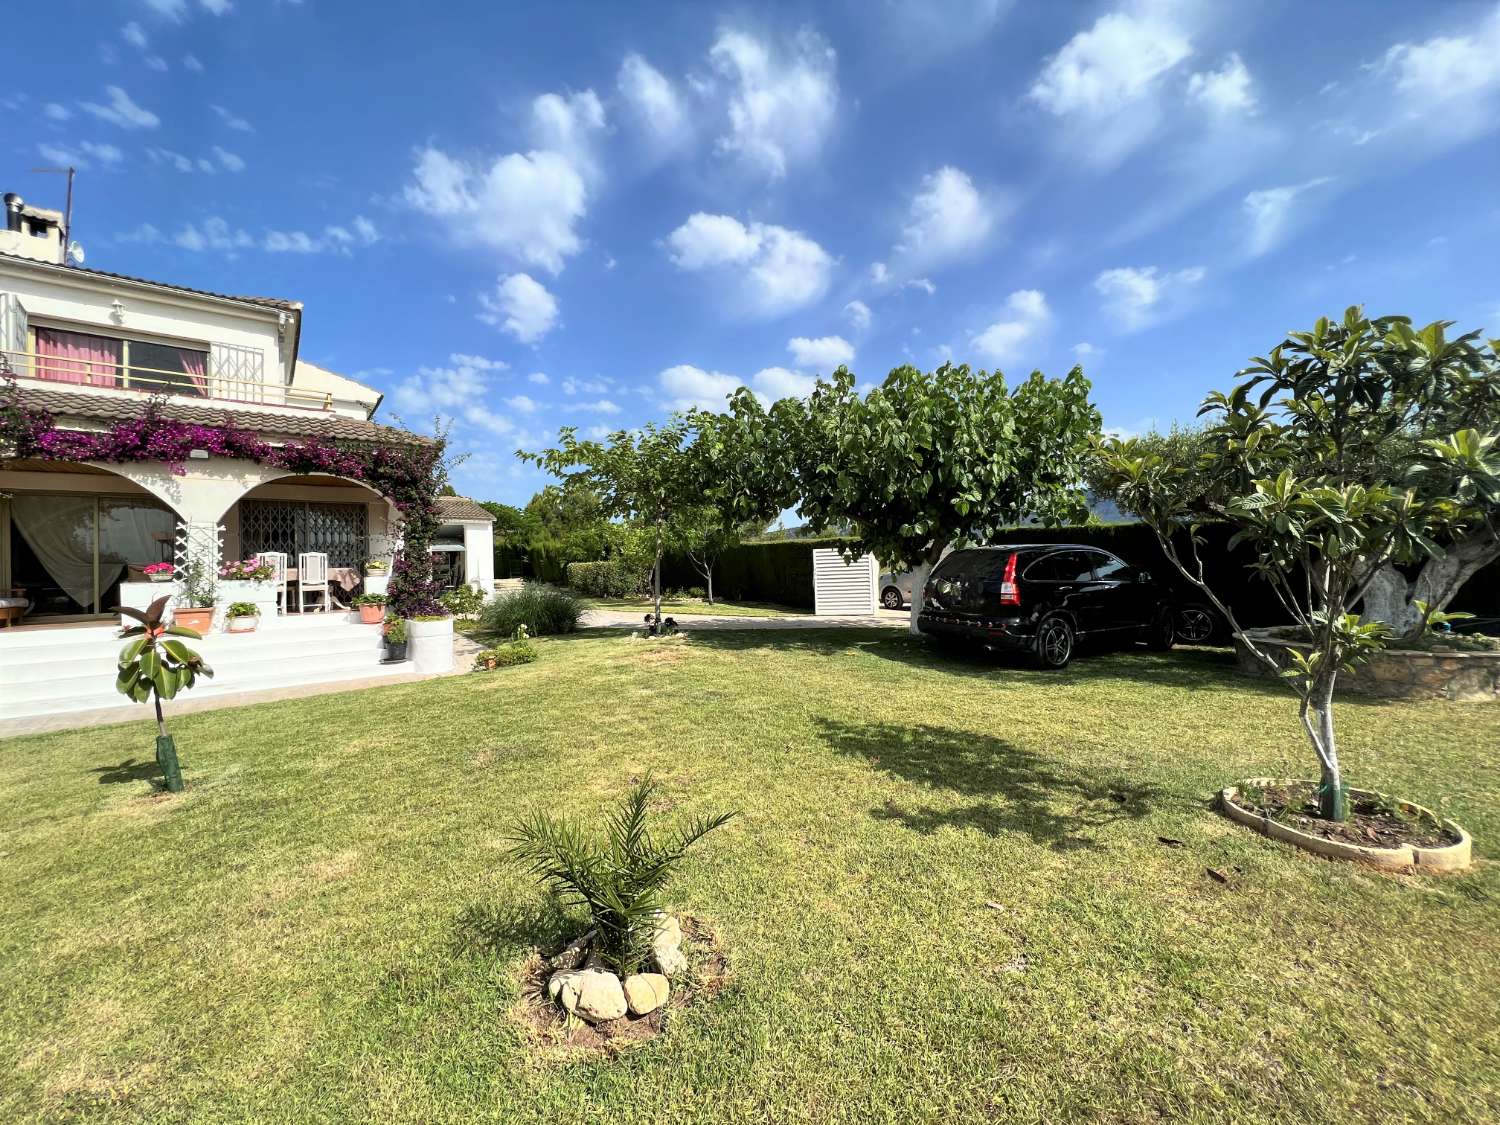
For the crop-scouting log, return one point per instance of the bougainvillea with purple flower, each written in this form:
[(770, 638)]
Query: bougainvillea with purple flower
[(409, 476)]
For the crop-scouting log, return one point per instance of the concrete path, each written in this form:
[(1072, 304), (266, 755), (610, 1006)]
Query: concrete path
[(692, 622)]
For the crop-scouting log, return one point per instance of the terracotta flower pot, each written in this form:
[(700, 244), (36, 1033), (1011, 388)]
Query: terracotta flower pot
[(199, 620), (371, 614)]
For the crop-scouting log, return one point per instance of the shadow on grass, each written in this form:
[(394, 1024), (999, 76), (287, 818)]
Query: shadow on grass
[(129, 770), (1055, 805), (483, 927)]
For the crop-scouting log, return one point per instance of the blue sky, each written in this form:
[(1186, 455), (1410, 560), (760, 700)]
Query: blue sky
[(527, 216)]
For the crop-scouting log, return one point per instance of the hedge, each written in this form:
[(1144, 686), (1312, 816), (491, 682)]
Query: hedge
[(778, 571), (611, 578)]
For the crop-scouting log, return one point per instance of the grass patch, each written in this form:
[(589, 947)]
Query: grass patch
[(946, 898), (694, 606)]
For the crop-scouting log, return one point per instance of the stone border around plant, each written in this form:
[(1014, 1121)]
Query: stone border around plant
[(1451, 857), (1394, 673)]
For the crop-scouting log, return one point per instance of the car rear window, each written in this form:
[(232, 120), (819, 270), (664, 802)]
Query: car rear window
[(969, 564), (1062, 566)]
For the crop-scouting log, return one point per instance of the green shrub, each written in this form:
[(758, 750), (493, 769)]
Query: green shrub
[(611, 578), (544, 610), (461, 601), (621, 880), (504, 656)]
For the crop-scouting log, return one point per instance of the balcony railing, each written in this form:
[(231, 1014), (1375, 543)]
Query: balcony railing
[(108, 375)]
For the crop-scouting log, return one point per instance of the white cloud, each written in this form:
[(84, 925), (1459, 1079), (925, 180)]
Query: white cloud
[(922, 283), (654, 103), (774, 269), (521, 306), (175, 160), (539, 378), (824, 354), (782, 101), (1115, 61), (477, 362), (858, 315), (599, 406), (233, 121), (1026, 314), (571, 126), (1269, 213), (1139, 295), (777, 382), (56, 112), (216, 7), (155, 62), (228, 160), (134, 34), (1086, 350), (87, 154), (1226, 90), (449, 389), (1447, 67), (949, 219), (214, 234), (521, 404), (688, 387), (879, 274), (571, 386), (193, 63), (120, 110), (174, 10)]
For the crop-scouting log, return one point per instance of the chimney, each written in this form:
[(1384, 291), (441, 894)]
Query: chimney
[(32, 232), (13, 205)]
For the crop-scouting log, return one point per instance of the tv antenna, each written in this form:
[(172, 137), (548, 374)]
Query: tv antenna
[(67, 231)]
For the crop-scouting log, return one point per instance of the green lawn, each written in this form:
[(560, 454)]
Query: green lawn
[(288, 941), (682, 608)]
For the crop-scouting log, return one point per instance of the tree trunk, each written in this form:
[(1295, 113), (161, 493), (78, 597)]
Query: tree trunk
[(656, 583), (918, 588), (709, 574), (1392, 598), (1317, 720)]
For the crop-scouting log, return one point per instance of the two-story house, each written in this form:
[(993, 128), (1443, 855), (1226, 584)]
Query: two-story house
[(93, 349)]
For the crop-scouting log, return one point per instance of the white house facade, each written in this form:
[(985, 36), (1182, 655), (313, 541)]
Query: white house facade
[(94, 349)]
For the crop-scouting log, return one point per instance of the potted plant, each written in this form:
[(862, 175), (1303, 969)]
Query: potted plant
[(195, 604), (246, 570), (377, 566), (159, 572), (395, 641), (371, 608), (242, 617)]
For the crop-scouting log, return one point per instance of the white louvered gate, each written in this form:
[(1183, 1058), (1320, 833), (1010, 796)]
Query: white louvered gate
[(843, 589)]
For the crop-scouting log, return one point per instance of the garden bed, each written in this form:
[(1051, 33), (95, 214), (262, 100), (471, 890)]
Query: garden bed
[(1380, 830), (1439, 671)]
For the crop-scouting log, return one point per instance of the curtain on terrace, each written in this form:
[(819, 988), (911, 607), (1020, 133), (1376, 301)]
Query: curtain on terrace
[(75, 357)]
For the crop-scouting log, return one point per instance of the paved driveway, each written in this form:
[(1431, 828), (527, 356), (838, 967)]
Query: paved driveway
[(692, 622)]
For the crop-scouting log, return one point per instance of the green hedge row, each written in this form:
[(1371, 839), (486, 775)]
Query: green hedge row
[(780, 571), (611, 578)]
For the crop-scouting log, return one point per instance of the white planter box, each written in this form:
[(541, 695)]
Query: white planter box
[(377, 583), (429, 644), (138, 595)]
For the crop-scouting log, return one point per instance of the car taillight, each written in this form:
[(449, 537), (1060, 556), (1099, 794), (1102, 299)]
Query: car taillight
[(1010, 593)]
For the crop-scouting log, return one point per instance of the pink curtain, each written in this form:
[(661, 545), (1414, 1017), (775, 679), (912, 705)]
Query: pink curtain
[(73, 357), (196, 366)]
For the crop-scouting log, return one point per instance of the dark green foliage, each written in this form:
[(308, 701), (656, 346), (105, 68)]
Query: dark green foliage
[(461, 601), (504, 656), (156, 666), (779, 572), (610, 578), (621, 880), (544, 611)]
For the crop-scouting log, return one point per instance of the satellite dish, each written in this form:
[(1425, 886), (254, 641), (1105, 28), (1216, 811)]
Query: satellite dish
[(75, 253)]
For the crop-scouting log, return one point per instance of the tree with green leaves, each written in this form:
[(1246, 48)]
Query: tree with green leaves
[(1324, 459), (646, 476), (155, 665), (928, 460)]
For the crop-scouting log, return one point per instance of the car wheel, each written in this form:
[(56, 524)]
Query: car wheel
[(1054, 643), (890, 597), (1196, 625), (1163, 632)]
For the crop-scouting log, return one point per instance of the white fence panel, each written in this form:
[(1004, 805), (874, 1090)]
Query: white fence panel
[(843, 589)]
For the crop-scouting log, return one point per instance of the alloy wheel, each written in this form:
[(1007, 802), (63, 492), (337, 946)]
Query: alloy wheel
[(1055, 643), (1194, 625)]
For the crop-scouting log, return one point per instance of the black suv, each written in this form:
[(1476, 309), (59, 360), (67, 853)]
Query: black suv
[(1042, 598)]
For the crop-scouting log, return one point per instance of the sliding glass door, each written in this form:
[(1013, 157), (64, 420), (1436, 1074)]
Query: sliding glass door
[(69, 552)]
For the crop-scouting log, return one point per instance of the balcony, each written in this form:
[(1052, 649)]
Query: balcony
[(222, 378)]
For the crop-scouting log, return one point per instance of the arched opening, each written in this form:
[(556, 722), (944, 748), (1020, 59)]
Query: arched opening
[(72, 533)]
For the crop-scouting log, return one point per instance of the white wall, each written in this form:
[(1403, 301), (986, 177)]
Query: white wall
[(479, 555)]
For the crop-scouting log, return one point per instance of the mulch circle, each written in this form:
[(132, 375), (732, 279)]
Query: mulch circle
[(550, 1027), (1370, 824)]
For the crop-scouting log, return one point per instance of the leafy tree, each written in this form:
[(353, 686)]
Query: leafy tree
[(566, 525), (155, 665), (644, 475), (930, 459), (1323, 458)]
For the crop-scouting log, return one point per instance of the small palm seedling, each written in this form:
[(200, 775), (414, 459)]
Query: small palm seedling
[(620, 880), (156, 666)]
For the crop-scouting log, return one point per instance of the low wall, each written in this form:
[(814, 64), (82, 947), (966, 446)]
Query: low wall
[(1465, 677)]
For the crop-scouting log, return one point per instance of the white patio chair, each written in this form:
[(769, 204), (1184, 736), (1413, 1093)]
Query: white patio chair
[(277, 559), (312, 581)]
